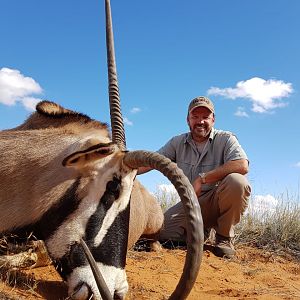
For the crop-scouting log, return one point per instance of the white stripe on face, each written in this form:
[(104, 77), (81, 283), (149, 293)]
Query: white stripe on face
[(118, 206)]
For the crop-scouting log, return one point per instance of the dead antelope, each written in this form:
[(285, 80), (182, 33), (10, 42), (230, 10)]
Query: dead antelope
[(63, 178)]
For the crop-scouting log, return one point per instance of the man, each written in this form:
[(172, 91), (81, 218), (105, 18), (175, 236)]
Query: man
[(215, 164)]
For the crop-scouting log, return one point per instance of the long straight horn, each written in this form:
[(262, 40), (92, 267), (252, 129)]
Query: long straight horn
[(117, 125)]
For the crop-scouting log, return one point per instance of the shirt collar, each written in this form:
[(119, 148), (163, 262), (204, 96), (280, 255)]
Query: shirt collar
[(189, 138)]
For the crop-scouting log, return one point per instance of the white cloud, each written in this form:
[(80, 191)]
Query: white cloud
[(135, 110), (264, 95), (30, 102), (297, 164), (263, 204), (241, 112), (15, 87), (127, 122)]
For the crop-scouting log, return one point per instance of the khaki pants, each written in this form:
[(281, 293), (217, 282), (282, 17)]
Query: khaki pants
[(221, 207)]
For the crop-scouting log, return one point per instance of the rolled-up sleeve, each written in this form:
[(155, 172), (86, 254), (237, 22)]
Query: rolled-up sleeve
[(233, 150)]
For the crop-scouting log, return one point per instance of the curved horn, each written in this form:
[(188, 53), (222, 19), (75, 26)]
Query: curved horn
[(103, 289), (117, 125), (195, 235)]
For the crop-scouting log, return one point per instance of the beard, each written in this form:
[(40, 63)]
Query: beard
[(200, 131)]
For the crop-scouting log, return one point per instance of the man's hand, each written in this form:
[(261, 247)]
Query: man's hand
[(197, 185), (142, 170)]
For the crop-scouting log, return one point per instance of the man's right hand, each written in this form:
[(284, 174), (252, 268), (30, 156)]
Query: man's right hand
[(197, 185), (142, 170)]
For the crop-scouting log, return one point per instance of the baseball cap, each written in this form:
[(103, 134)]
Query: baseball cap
[(201, 101)]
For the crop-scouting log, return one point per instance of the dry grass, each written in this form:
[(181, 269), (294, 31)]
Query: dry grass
[(165, 198), (17, 255), (276, 230)]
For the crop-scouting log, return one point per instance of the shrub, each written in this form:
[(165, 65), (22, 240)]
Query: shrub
[(166, 195), (276, 229)]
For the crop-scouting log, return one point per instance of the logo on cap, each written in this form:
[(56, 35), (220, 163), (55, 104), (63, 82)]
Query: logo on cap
[(201, 101)]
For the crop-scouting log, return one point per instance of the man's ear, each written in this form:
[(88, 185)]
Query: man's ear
[(214, 119), (91, 153), (187, 120)]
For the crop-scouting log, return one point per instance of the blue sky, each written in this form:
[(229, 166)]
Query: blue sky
[(243, 54)]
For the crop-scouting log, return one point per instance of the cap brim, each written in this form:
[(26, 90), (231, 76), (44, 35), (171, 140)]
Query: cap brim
[(202, 105)]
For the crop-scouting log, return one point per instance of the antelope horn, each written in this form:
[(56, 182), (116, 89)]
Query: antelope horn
[(102, 287), (195, 235), (117, 125)]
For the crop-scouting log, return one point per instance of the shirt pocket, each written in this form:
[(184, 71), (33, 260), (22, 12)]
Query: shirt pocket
[(187, 168), (206, 167)]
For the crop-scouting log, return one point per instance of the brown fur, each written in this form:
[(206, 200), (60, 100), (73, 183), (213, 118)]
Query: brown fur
[(56, 132), (146, 217)]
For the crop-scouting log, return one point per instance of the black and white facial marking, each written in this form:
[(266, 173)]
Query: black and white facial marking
[(102, 219), (111, 252)]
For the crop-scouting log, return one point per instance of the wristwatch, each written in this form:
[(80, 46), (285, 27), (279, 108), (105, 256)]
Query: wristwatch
[(202, 176)]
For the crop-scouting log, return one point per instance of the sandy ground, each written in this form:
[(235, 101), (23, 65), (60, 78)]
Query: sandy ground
[(253, 274)]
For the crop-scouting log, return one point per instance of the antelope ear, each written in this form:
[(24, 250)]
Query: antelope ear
[(92, 153)]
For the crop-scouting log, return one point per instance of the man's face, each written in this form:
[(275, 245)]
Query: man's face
[(200, 120)]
